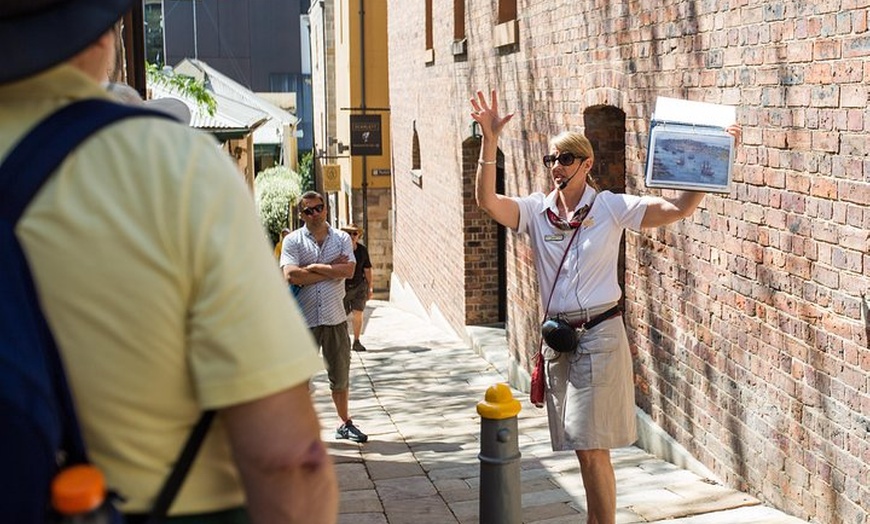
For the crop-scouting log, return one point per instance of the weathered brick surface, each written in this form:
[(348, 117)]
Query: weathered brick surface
[(747, 319), (377, 236)]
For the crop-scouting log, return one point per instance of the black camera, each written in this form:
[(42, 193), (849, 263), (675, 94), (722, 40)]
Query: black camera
[(559, 334)]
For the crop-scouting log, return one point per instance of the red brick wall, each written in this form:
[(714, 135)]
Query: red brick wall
[(428, 252), (747, 319), (481, 245), (377, 237)]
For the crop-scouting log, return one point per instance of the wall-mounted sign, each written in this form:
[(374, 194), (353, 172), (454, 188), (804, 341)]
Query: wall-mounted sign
[(380, 172), (365, 135), (331, 178)]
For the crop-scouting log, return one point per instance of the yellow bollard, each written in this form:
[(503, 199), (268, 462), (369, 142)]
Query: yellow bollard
[(500, 494)]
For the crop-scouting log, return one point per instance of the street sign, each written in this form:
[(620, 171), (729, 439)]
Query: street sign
[(331, 178)]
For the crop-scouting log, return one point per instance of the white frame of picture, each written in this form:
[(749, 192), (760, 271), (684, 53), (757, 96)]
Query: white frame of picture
[(713, 172)]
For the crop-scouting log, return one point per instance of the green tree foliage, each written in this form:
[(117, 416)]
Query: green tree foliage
[(306, 170), (276, 190), (184, 84)]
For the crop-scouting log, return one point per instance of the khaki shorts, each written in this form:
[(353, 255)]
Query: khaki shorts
[(334, 345), (590, 391)]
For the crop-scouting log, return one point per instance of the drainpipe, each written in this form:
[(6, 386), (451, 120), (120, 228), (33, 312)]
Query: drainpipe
[(195, 42), (326, 131), (362, 80), (321, 154)]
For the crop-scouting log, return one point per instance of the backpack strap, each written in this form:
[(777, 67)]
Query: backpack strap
[(46, 146), (23, 172), (173, 482)]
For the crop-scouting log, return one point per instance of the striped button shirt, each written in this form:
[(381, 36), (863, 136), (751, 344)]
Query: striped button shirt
[(322, 303)]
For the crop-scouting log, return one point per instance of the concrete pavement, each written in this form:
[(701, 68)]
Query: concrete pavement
[(415, 393)]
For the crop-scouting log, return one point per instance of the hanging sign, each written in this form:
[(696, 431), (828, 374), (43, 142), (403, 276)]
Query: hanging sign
[(365, 135)]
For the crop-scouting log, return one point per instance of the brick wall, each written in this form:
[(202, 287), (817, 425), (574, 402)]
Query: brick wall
[(428, 252), (747, 319), (481, 245), (377, 238)]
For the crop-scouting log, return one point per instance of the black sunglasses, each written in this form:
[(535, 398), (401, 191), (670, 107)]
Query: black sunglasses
[(314, 209), (565, 159)]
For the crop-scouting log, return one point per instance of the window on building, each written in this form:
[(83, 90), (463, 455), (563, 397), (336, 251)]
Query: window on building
[(416, 172), (154, 52), (428, 24), (506, 34), (458, 19), (507, 10), (430, 49), (459, 43), (415, 149)]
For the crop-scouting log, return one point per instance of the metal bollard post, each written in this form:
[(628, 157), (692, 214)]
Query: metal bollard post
[(500, 495)]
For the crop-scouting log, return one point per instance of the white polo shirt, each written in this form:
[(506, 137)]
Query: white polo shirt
[(588, 277)]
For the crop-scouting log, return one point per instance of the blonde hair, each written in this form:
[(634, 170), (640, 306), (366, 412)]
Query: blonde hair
[(579, 145), (573, 142)]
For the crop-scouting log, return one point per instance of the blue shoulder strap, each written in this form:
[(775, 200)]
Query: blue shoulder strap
[(22, 174), (43, 149)]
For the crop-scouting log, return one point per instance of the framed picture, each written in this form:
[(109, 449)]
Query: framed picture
[(696, 158)]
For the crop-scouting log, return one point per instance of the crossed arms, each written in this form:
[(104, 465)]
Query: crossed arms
[(340, 268)]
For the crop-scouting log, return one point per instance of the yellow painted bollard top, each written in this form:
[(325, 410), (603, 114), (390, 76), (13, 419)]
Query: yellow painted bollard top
[(499, 403)]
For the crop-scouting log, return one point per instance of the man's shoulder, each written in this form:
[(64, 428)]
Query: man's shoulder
[(295, 236), (343, 235), (340, 236), (156, 143), (163, 129)]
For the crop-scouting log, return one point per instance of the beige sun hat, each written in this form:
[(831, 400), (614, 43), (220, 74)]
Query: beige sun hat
[(352, 228)]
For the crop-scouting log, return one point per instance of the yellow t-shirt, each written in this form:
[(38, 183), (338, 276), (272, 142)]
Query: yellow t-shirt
[(155, 277)]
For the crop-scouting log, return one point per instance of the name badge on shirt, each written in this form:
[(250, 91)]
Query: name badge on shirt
[(555, 237)]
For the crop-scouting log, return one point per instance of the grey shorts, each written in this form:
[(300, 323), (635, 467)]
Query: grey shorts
[(355, 298), (335, 347)]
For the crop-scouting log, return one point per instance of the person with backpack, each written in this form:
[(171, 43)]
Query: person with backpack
[(157, 287)]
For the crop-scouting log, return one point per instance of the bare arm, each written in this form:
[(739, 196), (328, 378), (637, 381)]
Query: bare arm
[(663, 211), (340, 268), (301, 276), (502, 209), (369, 282), (286, 471)]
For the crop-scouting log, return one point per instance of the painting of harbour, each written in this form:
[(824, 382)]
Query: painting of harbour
[(684, 157)]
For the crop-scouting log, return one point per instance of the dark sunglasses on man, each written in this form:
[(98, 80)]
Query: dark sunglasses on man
[(313, 209), (564, 159)]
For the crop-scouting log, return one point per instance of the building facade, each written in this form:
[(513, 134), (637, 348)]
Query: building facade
[(261, 45), (749, 320), (352, 122)]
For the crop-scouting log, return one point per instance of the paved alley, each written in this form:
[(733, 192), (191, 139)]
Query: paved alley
[(415, 393)]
